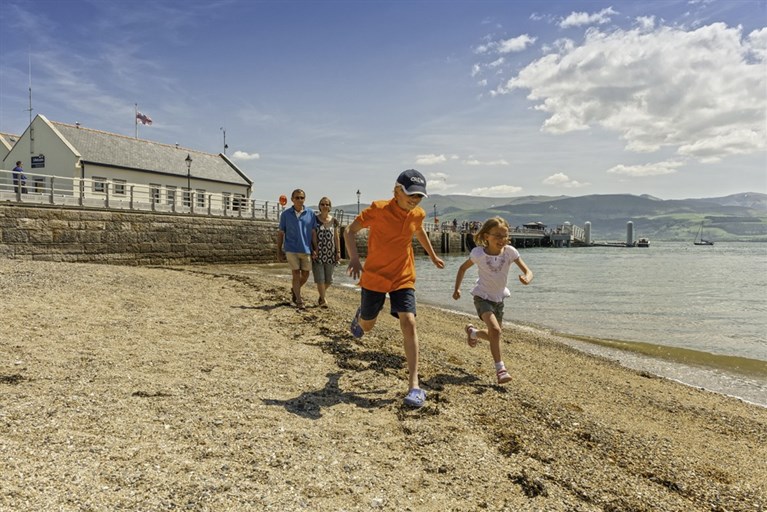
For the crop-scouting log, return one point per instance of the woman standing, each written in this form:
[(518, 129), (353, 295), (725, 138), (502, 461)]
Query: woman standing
[(328, 250)]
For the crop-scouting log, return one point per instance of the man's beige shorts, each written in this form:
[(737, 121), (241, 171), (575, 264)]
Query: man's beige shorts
[(299, 261)]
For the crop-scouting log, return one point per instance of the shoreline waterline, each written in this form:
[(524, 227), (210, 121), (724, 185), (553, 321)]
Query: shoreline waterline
[(733, 376)]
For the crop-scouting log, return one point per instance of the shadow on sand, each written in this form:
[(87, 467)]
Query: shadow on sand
[(309, 404)]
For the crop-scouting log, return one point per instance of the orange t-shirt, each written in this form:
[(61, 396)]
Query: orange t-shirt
[(390, 263)]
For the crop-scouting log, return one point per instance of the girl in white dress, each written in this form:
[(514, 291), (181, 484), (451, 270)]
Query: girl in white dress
[(493, 257)]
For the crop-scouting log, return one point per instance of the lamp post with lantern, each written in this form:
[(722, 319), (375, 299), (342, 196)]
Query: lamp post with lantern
[(358, 201), (188, 161)]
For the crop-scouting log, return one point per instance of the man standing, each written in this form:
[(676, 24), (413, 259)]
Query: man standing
[(19, 176), (297, 242)]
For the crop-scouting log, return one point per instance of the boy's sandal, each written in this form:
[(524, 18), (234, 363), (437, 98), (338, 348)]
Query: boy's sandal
[(415, 398), (503, 376), (355, 328), (471, 341)]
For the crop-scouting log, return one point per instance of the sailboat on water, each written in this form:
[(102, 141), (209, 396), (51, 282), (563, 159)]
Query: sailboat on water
[(699, 240)]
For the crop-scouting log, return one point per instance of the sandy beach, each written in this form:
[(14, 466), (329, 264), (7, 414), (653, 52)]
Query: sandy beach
[(200, 388)]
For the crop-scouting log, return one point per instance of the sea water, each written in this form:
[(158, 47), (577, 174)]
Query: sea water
[(696, 314)]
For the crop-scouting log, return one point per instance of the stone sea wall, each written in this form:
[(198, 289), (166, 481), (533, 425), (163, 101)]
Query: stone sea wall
[(145, 238)]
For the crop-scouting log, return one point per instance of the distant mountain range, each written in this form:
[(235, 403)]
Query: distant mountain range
[(740, 217)]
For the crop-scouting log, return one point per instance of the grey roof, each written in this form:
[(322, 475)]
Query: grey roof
[(8, 140), (131, 153)]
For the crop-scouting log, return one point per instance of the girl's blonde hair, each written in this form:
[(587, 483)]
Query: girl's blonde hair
[(480, 238), (325, 198)]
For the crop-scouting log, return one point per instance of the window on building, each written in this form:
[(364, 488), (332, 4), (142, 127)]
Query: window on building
[(119, 187), (200, 197), (39, 184), (226, 199), (99, 185), (187, 197), (154, 192), (170, 195)]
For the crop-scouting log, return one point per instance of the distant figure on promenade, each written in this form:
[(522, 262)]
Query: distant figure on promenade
[(328, 250), (390, 266), (19, 176), (493, 257), (297, 242)]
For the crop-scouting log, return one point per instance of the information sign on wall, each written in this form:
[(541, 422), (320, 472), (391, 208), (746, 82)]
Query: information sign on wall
[(38, 162)]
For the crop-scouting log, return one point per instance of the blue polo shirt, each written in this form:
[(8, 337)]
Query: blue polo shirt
[(298, 230)]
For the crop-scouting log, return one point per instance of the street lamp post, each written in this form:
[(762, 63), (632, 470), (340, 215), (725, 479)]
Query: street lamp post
[(188, 161), (358, 201), (435, 216)]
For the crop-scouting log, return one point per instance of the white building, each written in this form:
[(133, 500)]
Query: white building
[(7, 141), (103, 163)]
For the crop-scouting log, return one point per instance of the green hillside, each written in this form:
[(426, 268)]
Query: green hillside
[(740, 217), (736, 217)]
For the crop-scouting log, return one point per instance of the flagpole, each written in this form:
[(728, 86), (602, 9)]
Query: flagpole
[(135, 118)]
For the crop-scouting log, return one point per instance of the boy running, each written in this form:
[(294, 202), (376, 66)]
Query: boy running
[(390, 266)]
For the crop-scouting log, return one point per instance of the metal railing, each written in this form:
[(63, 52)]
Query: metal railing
[(114, 194)]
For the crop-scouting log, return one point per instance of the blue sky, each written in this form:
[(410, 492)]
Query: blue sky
[(492, 98)]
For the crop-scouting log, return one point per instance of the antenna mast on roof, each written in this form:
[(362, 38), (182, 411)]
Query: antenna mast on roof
[(225, 145), (30, 87), (31, 130)]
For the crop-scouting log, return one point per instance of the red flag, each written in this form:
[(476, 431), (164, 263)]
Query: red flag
[(145, 119)]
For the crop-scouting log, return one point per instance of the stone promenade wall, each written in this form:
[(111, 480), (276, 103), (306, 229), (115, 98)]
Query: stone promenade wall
[(132, 238), (59, 233)]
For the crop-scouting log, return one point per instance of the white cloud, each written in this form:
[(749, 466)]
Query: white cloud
[(714, 148), (431, 159), (496, 191), (757, 43), (242, 155), (640, 171), (473, 161), (563, 180), (515, 44), (692, 91), (496, 63), (646, 23), (438, 182), (577, 19), (504, 46)]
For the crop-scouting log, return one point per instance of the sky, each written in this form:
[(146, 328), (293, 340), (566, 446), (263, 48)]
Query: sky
[(486, 98)]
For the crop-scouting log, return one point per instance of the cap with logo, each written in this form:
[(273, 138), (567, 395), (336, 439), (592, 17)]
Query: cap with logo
[(412, 182)]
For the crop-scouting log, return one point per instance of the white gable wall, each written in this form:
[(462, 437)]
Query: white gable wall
[(60, 158)]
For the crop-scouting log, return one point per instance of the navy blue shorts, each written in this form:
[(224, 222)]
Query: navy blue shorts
[(401, 301)]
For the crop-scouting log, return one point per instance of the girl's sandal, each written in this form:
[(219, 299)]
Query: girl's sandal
[(472, 342), (503, 376)]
